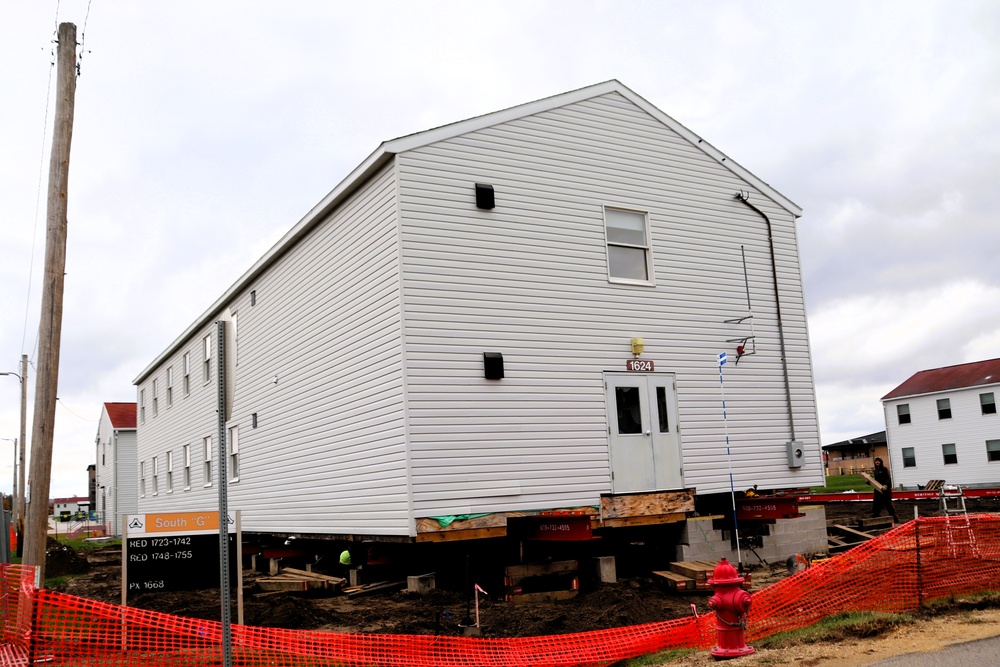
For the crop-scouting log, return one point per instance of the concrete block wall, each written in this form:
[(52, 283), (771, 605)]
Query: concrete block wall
[(804, 535)]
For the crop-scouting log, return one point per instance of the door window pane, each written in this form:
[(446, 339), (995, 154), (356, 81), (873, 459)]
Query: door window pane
[(661, 409), (629, 414)]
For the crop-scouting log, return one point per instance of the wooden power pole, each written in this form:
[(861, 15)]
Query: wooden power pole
[(50, 325)]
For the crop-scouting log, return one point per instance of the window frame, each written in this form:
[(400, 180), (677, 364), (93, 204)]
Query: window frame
[(187, 467), (207, 364), (911, 460), (142, 406), (233, 447), (154, 398), (647, 247), (944, 408), (206, 444), (987, 407), (156, 481), (903, 410), (187, 373), (953, 454), (170, 471), (142, 479), (996, 451), (170, 386)]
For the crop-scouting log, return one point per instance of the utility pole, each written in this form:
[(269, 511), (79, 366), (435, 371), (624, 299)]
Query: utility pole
[(19, 514), (50, 326)]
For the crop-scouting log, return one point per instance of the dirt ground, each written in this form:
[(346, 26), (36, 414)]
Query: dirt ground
[(628, 602)]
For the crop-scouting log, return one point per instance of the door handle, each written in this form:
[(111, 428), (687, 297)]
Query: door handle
[(648, 432)]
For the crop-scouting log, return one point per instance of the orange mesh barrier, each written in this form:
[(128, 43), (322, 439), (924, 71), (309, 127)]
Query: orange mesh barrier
[(923, 560)]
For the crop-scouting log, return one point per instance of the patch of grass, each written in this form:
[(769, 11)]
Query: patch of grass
[(55, 583), (80, 544), (841, 483), (854, 625)]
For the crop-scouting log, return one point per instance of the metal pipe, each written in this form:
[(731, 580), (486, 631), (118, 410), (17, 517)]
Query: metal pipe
[(745, 198)]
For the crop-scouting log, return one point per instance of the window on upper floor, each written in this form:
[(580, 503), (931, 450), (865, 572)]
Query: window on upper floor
[(903, 413), (909, 457), (993, 450), (627, 236), (142, 406), (187, 467), (988, 403), (944, 408), (154, 397), (170, 386), (206, 344), (187, 373), (950, 455)]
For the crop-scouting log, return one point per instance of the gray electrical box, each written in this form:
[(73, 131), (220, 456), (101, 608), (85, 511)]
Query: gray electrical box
[(796, 452)]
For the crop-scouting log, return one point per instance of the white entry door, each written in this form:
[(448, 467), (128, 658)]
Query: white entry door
[(645, 447)]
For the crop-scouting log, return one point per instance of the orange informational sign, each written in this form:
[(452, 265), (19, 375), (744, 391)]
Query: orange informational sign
[(177, 523)]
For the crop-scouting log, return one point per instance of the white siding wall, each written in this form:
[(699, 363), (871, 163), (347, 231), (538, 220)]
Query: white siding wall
[(968, 430), (126, 495), (529, 279), (116, 472), (320, 365)]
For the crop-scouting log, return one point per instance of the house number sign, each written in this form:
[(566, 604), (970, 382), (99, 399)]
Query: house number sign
[(643, 365)]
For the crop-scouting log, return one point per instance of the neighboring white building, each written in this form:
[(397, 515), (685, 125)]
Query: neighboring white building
[(68, 508), (943, 424), (447, 333), (115, 477)]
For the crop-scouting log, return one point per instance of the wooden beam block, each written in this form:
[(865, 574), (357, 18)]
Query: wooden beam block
[(693, 570), (675, 581), (540, 569), (549, 596), (646, 504)]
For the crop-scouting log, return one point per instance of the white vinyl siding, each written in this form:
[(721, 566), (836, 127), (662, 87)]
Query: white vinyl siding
[(529, 279), (321, 364), (116, 475)]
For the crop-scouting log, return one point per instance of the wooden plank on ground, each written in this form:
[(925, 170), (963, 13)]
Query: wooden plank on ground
[(875, 522), (377, 587), (306, 574), (675, 581), (272, 585), (693, 570), (540, 569), (547, 596), (847, 531)]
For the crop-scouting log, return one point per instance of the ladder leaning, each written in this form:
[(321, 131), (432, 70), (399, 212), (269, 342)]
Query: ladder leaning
[(958, 528)]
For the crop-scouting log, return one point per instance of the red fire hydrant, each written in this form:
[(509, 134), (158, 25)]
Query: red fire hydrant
[(731, 604)]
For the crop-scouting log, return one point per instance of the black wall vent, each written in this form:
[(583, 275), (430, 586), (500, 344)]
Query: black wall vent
[(493, 365), (484, 196)]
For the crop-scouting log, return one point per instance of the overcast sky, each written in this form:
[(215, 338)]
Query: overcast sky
[(205, 130)]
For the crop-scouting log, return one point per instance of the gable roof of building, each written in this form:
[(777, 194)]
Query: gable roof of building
[(962, 376), (389, 149), (122, 415), (870, 439)]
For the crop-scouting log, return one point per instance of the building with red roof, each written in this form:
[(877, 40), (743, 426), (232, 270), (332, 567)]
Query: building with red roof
[(115, 487), (942, 423)]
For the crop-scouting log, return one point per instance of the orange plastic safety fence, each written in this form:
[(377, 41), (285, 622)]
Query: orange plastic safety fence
[(909, 566)]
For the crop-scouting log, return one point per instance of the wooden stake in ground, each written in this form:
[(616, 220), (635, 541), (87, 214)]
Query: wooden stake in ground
[(50, 325)]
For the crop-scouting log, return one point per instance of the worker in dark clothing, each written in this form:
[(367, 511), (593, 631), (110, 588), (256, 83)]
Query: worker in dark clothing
[(883, 499)]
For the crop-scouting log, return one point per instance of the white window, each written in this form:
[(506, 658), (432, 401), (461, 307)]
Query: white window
[(944, 408), (236, 340), (628, 245), (156, 481), (170, 472), (142, 406), (207, 369), (187, 466), (187, 373), (950, 455), (170, 386), (988, 403), (234, 453), (154, 398), (903, 413), (142, 478), (993, 450), (909, 457), (207, 447)]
